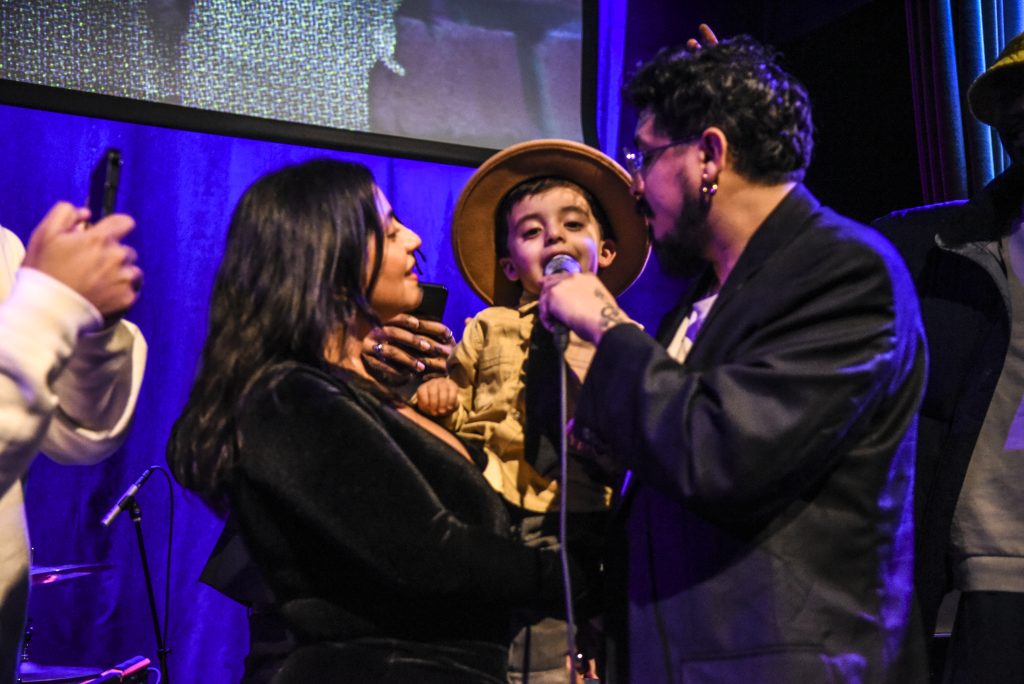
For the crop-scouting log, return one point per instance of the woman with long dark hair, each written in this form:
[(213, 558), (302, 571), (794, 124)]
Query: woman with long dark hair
[(386, 552)]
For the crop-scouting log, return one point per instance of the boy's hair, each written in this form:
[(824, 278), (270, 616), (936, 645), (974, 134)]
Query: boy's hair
[(536, 186)]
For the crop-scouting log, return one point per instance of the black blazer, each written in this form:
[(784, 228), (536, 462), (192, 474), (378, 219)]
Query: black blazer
[(767, 529), (370, 531)]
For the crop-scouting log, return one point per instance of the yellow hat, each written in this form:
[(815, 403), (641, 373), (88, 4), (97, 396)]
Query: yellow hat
[(473, 221), (983, 94)]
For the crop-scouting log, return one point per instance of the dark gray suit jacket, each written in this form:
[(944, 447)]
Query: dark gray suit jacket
[(766, 532), (965, 308)]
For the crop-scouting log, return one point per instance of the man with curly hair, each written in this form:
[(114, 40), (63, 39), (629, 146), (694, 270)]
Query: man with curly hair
[(764, 527)]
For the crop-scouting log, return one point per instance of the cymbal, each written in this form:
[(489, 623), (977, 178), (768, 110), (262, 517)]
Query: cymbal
[(34, 672), (48, 574)]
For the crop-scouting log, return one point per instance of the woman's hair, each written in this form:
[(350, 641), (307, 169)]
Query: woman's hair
[(292, 275)]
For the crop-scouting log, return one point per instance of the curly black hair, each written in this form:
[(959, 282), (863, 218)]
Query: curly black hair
[(737, 86)]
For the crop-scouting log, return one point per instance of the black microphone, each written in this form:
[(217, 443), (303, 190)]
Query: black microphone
[(126, 498), (561, 263)]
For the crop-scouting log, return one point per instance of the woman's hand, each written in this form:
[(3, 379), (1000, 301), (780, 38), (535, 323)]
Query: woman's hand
[(407, 346)]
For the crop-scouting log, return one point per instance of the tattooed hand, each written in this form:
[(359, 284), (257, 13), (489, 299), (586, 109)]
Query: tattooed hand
[(582, 303), (611, 314)]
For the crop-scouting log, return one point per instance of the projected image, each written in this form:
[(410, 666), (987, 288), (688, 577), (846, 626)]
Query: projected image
[(475, 73), (489, 73)]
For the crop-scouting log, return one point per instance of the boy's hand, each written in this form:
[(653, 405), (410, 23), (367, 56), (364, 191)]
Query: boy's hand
[(437, 397)]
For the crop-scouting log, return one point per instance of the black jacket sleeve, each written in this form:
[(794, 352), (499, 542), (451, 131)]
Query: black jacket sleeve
[(785, 378)]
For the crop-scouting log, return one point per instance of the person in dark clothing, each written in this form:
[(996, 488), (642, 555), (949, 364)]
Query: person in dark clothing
[(386, 554), (967, 261), (398, 353)]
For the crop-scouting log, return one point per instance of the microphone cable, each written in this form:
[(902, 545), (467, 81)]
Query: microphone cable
[(167, 576)]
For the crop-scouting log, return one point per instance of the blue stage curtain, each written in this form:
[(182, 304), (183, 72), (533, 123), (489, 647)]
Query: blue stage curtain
[(612, 44), (951, 43), (181, 187)]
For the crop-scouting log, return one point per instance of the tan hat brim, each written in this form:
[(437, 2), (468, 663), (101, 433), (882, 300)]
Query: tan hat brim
[(473, 227)]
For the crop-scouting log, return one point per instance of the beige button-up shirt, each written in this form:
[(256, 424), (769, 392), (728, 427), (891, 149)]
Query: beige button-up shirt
[(489, 366)]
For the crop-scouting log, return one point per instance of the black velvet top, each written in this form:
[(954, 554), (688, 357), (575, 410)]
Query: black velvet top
[(366, 527)]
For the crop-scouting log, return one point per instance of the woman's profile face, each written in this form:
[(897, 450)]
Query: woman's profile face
[(397, 288)]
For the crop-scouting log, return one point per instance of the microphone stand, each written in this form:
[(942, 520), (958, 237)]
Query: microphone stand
[(579, 664), (570, 629), (161, 652)]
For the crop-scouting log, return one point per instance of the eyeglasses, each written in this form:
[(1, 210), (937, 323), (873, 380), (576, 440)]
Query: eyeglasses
[(639, 162)]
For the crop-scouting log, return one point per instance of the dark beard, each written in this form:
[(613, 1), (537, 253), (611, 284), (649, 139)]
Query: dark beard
[(681, 252)]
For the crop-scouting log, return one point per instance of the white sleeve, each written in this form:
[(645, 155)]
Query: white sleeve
[(96, 395), (67, 392), (39, 325)]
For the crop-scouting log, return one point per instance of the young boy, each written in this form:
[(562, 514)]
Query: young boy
[(524, 206)]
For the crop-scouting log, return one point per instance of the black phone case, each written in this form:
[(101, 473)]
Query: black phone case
[(103, 184), (435, 296)]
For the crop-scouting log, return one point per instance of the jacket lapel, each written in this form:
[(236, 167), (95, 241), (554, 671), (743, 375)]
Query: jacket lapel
[(671, 321), (789, 219)]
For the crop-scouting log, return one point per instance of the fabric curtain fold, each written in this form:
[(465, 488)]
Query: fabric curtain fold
[(950, 44)]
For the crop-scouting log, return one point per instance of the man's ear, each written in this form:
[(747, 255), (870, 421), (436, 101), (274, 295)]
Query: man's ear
[(714, 147), (606, 253), (508, 268)]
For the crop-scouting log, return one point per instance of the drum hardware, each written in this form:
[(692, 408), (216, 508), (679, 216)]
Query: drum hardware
[(38, 673), (132, 671), (49, 574), (35, 672)]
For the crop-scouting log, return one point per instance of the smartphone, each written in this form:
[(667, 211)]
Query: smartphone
[(431, 308), (103, 184)]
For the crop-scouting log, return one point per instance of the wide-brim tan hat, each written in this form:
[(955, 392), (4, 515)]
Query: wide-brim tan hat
[(473, 222), (983, 94)]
